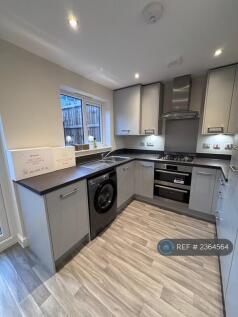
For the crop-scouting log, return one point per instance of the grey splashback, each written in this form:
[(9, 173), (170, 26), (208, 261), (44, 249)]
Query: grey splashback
[(181, 135)]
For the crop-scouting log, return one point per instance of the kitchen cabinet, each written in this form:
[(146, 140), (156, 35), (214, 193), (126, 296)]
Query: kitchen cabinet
[(233, 119), (144, 178), (202, 189), (151, 109), (127, 110), (55, 222), (218, 100), (231, 302), (68, 216), (125, 183), (227, 223)]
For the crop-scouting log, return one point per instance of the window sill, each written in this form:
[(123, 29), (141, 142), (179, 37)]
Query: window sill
[(92, 151)]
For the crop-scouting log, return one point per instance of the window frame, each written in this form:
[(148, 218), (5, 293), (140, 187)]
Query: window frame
[(90, 101)]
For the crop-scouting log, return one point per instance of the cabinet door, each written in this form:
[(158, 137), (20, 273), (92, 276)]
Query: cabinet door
[(218, 98), (202, 189), (231, 302), (68, 216), (127, 108), (233, 120), (125, 183), (150, 109), (227, 223), (144, 178)]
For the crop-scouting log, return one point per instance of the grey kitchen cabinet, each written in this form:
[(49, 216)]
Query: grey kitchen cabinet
[(127, 110), (218, 99), (144, 179), (54, 222), (68, 217), (233, 119), (125, 183), (231, 302), (227, 224), (202, 189), (151, 109)]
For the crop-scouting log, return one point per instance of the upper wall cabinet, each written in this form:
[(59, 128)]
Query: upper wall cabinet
[(137, 110), (219, 105), (151, 109), (127, 109), (233, 120)]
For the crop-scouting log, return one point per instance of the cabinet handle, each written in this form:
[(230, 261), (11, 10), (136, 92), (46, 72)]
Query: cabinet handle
[(215, 130), (173, 189), (147, 166), (203, 173), (172, 172), (63, 196), (128, 131), (222, 182), (125, 169), (149, 131), (234, 168)]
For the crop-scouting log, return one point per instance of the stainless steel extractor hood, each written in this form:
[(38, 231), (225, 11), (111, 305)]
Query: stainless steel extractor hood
[(181, 92)]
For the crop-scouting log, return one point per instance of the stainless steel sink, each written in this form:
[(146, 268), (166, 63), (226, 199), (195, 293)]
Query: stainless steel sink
[(98, 165), (104, 163), (115, 159)]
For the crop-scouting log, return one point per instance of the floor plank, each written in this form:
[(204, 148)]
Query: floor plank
[(120, 273)]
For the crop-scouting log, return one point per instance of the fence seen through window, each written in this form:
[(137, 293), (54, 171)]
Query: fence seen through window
[(80, 120)]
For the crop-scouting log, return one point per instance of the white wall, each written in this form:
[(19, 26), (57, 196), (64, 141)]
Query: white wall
[(196, 104), (30, 105)]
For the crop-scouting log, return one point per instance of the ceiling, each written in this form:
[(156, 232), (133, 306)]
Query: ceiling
[(113, 41)]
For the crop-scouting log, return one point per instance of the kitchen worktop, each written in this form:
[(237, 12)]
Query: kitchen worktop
[(49, 182)]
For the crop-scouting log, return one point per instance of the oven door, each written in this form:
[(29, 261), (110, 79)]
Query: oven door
[(175, 177), (172, 193)]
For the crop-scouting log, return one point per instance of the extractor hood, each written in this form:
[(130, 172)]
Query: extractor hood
[(179, 106)]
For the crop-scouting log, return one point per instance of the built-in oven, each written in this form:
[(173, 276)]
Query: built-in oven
[(173, 181)]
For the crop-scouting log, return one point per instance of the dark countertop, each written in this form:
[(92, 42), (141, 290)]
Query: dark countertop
[(49, 182)]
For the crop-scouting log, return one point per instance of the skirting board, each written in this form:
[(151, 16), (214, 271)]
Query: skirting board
[(157, 203)]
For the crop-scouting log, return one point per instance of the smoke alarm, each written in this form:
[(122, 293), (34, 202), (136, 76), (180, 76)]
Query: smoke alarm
[(153, 12)]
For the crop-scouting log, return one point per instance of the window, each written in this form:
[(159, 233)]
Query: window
[(94, 121), (81, 119)]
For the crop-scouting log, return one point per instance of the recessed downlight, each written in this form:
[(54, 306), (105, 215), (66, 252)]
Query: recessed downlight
[(137, 75), (73, 22), (218, 52)]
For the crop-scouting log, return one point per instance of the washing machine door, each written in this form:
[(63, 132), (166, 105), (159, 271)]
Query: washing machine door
[(105, 196)]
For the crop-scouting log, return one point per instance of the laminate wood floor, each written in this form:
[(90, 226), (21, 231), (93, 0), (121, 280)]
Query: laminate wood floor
[(119, 273)]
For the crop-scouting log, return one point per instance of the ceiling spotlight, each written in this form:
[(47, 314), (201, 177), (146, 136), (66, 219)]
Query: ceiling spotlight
[(73, 22), (137, 75), (218, 52)]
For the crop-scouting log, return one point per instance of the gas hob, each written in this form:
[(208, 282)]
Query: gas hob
[(176, 157)]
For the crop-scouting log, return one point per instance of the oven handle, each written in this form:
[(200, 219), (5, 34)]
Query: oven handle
[(173, 189), (172, 172)]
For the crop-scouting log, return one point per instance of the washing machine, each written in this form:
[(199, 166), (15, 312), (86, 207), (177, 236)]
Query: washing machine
[(102, 196)]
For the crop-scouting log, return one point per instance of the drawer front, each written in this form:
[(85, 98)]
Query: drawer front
[(181, 195)]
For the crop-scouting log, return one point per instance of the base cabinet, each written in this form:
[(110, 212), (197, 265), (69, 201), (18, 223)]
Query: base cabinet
[(125, 183), (144, 178), (231, 302), (55, 222), (202, 189), (68, 217)]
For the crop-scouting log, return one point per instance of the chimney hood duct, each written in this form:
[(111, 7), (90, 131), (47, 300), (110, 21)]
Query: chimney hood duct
[(180, 102)]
